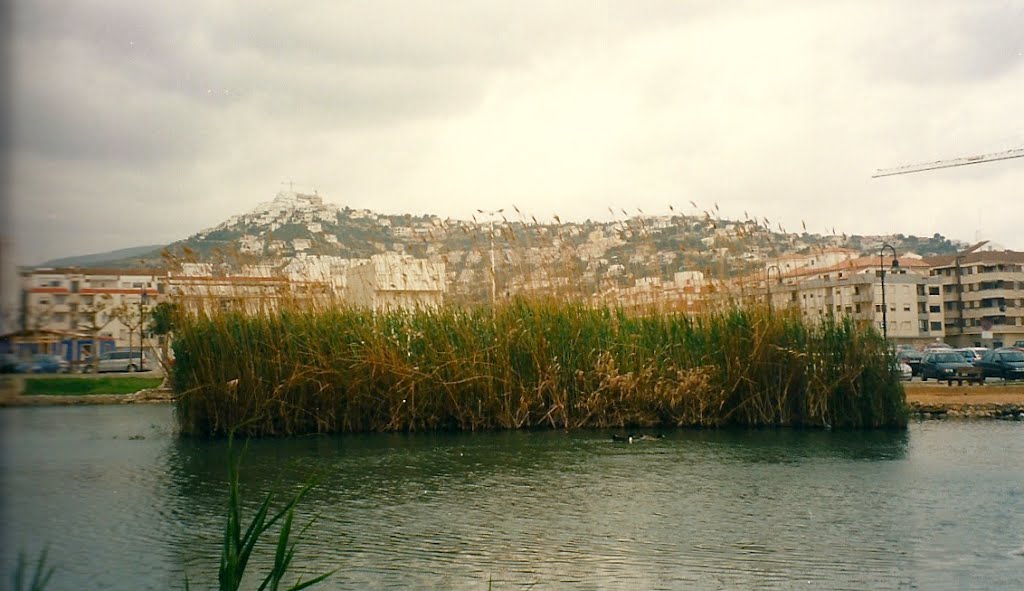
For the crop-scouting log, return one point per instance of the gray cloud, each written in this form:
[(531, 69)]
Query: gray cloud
[(180, 115)]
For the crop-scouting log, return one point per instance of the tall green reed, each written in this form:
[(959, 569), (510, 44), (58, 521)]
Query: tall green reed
[(526, 363)]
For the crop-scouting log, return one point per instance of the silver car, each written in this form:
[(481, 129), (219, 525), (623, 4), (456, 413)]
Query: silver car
[(124, 361)]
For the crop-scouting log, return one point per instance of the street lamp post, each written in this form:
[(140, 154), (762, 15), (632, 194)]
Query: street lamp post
[(768, 282), (881, 268), (494, 285), (959, 294)]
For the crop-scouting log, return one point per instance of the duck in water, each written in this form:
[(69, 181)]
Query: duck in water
[(634, 437)]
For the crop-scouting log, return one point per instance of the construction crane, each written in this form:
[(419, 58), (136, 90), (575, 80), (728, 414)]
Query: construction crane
[(1007, 155)]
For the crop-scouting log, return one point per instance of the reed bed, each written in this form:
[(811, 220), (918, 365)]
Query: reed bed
[(525, 363)]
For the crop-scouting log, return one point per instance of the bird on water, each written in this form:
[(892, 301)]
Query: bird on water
[(634, 437)]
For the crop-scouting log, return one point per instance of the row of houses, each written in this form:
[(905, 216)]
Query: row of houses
[(974, 298), (110, 306)]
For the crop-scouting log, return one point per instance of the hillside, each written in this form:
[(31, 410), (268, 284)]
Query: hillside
[(527, 253)]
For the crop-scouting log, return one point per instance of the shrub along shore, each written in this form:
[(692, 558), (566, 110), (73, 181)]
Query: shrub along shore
[(526, 364)]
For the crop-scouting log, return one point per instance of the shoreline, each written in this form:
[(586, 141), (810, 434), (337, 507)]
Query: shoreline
[(942, 401), (924, 400)]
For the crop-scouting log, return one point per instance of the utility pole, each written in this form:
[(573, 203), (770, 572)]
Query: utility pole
[(494, 285), (142, 329)]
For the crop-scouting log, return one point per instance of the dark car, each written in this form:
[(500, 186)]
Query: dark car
[(8, 363), (943, 364), (1006, 363), (42, 363), (912, 358)]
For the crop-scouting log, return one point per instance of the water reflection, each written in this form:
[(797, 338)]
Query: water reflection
[(698, 509), (464, 507)]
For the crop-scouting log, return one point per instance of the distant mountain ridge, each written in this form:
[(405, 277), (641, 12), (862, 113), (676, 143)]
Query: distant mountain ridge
[(105, 258), (295, 224)]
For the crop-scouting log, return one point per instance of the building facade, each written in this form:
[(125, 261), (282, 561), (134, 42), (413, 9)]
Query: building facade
[(90, 304), (982, 297), (912, 312)]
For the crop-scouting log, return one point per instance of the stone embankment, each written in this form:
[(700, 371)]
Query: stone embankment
[(991, 401)]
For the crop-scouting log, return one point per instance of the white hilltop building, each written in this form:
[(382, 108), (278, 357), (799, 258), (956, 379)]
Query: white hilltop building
[(821, 259)]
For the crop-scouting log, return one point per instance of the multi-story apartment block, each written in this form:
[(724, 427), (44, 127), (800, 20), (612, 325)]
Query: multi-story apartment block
[(912, 310), (85, 305), (982, 297)]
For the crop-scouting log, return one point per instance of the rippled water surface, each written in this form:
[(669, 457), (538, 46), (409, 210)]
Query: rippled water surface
[(124, 504)]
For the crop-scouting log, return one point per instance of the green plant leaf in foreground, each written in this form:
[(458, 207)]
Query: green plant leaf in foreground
[(40, 575), (237, 548)]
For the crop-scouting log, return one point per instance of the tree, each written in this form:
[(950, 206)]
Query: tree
[(93, 315), (131, 315)]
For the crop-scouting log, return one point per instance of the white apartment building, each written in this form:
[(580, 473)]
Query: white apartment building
[(110, 303), (913, 303)]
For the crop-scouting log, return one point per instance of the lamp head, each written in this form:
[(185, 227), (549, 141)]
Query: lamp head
[(895, 263)]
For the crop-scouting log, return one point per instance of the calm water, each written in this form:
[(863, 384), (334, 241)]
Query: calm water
[(124, 504)]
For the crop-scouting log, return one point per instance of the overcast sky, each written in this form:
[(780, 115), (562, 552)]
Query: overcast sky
[(143, 122)]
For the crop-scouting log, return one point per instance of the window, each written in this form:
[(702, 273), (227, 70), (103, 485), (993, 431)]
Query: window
[(934, 309), (936, 326), (933, 290)]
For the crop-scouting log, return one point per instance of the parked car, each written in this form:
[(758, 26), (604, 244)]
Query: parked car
[(124, 361), (906, 373), (911, 357), (43, 363), (942, 364), (8, 363), (1006, 363), (971, 354), (1019, 344)]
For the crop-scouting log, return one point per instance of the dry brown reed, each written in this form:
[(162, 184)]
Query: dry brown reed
[(525, 363)]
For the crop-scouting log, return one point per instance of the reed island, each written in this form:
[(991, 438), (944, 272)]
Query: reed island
[(526, 364)]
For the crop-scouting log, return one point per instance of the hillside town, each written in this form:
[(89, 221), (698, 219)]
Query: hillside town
[(297, 246)]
